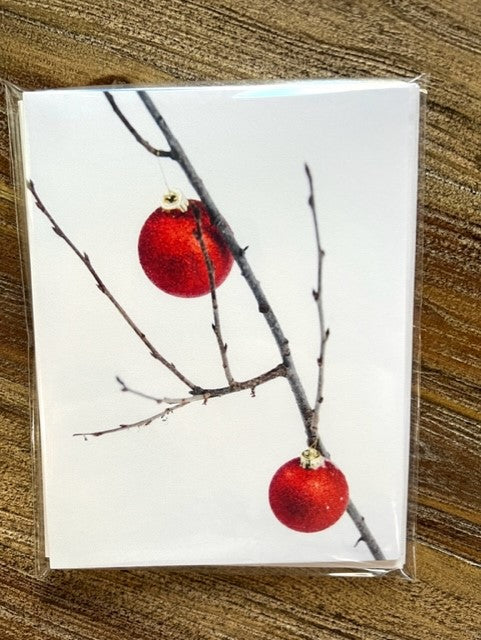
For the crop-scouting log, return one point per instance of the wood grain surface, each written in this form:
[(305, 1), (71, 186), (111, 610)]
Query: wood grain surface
[(47, 43)]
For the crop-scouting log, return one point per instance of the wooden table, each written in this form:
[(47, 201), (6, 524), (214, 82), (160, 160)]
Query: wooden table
[(60, 43)]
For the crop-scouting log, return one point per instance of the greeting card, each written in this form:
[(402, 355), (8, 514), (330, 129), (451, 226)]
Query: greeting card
[(222, 285)]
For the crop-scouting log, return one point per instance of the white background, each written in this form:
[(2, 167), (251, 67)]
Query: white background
[(193, 490)]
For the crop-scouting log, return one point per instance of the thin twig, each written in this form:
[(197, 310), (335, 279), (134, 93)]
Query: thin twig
[(103, 288), (141, 394), (217, 219), (141, 423), (213, 296), (366, 535), (203, 395), (160, 153), (317, 295)]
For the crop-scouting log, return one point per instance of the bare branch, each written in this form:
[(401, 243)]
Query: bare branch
[(317, 294), (141, 423), (103, 288), (214, 392), (178, 154), (141, 394), (177, 403), (213, 296), (156, 152)]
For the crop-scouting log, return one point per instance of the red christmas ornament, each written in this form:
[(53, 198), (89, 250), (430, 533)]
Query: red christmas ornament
[(309, 493), (171, 255)]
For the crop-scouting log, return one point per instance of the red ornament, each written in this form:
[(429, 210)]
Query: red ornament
[(171, 255), (309, 493)]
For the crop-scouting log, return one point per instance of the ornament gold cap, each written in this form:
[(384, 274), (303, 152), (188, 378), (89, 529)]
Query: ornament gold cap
[(311, 459), (174, 199)]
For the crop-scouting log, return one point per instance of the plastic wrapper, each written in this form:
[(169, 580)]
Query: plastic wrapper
[(223, 287)]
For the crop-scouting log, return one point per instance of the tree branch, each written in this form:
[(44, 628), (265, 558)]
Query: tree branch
[(202, 395), (213, 296), (177, 153), (366, 535), (103, 288), (141, 394), (317, 294), (156, 152), (141, 423)]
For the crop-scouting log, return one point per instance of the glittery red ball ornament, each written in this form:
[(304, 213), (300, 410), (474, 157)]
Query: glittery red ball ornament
[(309, 493), (170, 253)]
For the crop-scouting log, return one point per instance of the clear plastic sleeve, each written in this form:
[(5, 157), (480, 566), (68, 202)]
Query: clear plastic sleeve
[(223, 288)]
